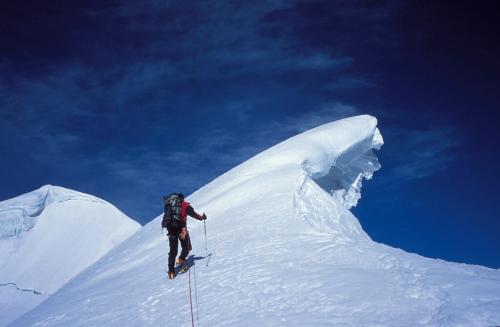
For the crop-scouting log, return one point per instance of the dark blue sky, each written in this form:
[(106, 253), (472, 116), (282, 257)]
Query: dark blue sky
[(131, 100)]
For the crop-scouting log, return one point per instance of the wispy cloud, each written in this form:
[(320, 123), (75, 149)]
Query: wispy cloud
[(152, 95), (325, 113), (419, 153)]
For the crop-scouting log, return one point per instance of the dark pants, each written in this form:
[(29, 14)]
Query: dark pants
[(173, 238)]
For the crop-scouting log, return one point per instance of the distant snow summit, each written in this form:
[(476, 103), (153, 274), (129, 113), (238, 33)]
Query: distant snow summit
[(47, 237)]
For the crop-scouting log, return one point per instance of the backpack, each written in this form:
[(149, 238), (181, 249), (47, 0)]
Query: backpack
[(172, 206)]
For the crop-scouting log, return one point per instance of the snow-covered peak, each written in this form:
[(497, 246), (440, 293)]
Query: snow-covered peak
[(47, 237), (19, 214), (315, 150), (38, 199), (328, 162), (60, 194)]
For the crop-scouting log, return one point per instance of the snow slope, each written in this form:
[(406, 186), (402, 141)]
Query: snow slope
[(283, 250), (47, 237)]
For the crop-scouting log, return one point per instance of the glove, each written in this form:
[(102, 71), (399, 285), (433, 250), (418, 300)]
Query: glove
[(204, 217)]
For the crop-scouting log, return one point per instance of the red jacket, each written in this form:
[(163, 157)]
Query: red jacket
[(187, 210)]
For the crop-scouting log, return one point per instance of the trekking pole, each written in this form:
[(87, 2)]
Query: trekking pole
[(206, 246), (205, 227)]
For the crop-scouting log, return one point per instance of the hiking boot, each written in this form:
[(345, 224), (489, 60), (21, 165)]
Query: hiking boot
[(180, 262), (171, 274)]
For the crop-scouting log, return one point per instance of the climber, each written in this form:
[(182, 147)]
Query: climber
[(174, 221)]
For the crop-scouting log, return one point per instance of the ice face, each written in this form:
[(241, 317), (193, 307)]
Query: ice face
[(334, 184), (20, 214), (344, 179)]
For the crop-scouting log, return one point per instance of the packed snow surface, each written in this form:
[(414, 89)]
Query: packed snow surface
[(283, 250), (47, 237)]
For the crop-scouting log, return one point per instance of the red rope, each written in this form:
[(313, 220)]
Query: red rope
[(190, 299)]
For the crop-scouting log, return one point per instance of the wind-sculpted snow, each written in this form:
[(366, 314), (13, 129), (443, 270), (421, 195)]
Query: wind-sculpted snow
[(20, 214), (48, 237), (329, 213), (283, 250), (344, 179), (335, 157)]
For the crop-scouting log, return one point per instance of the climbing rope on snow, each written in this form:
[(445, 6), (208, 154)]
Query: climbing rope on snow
[(196, 296), (190, 298)]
